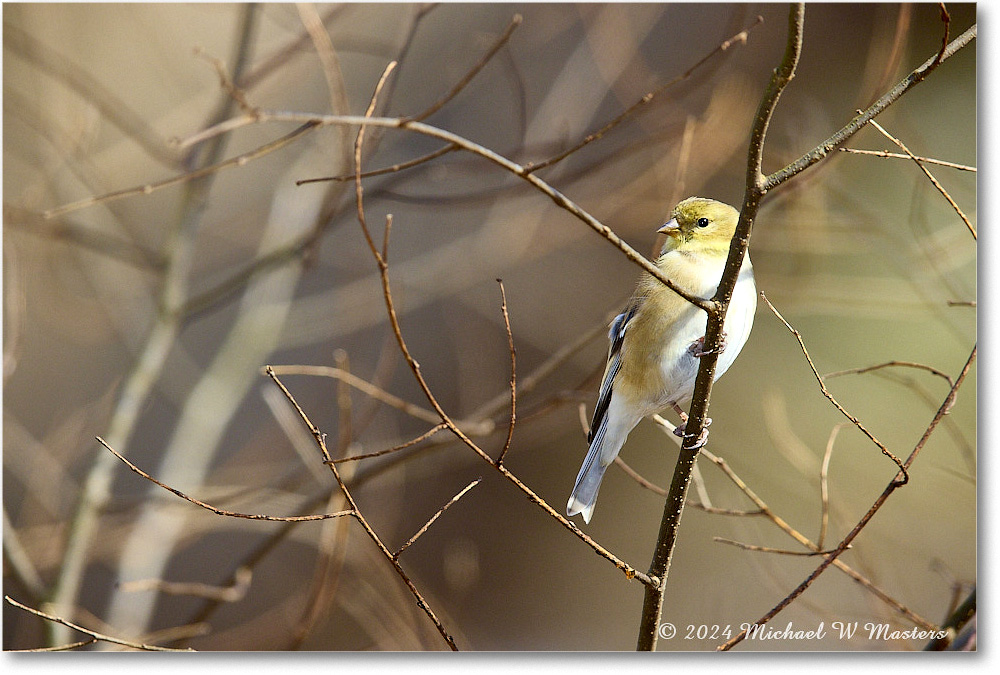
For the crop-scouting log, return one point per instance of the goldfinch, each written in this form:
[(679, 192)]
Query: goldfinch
[(657, 341)]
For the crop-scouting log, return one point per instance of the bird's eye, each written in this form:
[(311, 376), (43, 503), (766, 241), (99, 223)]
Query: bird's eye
[(703, 222)]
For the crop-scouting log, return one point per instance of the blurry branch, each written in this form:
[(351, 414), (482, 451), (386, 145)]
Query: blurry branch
[(824, 484), (235, 93), (904, 477), (86, 237), (396, 448), (896, 155), (144, 373), (955, 623), (473, 427), (95, 635), (930, 176), (895, 483), (464, 81), (557, 359), (738, 39), (232, 593), (216, 510), (17, 561), (434, 107), (111, 108)]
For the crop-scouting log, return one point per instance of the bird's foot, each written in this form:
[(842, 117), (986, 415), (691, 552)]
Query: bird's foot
[(680, 429), (697, 348)]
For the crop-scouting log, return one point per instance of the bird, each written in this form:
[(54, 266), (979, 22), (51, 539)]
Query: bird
[(657, 341)]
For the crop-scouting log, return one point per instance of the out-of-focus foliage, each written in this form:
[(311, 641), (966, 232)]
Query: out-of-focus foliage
[(861, 254)]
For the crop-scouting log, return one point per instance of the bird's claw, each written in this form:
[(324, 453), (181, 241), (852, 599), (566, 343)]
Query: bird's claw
[(702, 437), (697, 348)]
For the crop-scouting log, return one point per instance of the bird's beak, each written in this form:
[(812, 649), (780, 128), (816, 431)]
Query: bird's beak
[(671, 229)]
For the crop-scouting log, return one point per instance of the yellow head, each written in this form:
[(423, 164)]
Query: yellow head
[(700, 225)]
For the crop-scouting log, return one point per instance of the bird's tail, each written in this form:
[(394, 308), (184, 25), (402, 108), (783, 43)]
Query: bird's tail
[(603, 450)]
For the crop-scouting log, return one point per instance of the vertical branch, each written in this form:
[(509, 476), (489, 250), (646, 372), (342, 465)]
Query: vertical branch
[(659, 568)]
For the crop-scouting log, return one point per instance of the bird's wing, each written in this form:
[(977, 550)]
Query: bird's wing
[(616, 336)]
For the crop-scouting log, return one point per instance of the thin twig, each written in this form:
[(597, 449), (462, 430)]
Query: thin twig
[(149, 188), (237, 94), (216, 510), (94, 634), (513, 374), (462, 83), (396, 448), (826, 147), (320, 438), (890, 364), (930, 176), (897, 155), (904, 476), (739, 38), (60, 648), (768, 549), (451, 147), (418, 533), (638, 478)]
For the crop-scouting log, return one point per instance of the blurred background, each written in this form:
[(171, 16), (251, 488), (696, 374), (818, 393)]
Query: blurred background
[(146, 320)]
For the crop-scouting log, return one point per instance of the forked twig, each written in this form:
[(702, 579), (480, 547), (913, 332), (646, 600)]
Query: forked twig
[(320, 438), (876, 506), (903, 475), (930, 176)]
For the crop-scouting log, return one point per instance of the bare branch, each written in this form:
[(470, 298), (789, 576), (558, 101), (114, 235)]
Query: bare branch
[(418, 533), (897, 155), (930, 176), (462, 83), (94, 634), (768, 549), (513, 374), (890, 488), (904, 477), (149, 188), (738, 39), (214, 509), (321, 443)]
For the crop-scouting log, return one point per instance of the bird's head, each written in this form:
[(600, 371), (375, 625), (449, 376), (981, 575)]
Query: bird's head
[(700, 225)]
